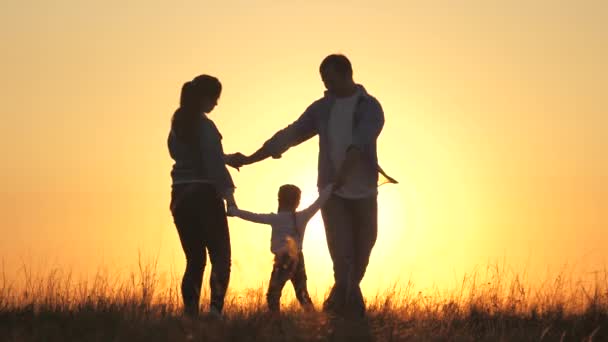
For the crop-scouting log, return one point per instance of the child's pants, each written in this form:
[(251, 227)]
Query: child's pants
[(286, 268)]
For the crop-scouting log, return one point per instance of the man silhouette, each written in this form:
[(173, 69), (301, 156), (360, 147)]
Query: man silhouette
[(348, 121)]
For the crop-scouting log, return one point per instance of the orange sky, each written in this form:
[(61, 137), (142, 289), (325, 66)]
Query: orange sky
[(496, 121)]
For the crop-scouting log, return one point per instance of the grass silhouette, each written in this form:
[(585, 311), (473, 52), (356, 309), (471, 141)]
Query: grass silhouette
[(487, 307)]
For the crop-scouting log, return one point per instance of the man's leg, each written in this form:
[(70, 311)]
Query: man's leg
[(298, 280), (365, 213), (338, 231)]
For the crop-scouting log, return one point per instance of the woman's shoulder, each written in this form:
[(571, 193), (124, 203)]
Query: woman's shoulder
[(208, 126)]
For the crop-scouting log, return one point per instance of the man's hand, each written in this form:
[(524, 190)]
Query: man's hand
[(339, 181), (235, 160), (353, 156)]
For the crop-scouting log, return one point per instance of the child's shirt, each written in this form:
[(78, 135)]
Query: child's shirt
[(282, 223)]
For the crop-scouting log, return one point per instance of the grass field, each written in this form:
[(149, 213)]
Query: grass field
[(54, 307)]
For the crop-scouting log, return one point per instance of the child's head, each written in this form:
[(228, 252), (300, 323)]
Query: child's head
[(289, 197)]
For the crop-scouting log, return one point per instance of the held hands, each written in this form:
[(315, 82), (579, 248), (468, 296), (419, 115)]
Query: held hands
[(231, 206), (231, 211), (236, 160)]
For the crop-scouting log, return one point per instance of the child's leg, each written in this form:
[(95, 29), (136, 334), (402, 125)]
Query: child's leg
[(298, 280), (281, 272)]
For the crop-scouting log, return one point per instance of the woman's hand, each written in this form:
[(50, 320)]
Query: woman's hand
[(231, 211), (229, 198)]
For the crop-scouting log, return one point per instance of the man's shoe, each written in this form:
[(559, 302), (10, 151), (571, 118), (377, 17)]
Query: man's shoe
[(215, 313)]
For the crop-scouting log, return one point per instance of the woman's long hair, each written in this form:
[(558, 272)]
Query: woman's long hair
[(183, 123)]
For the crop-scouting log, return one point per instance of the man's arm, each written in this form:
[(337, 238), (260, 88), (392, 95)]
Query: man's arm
[(352, 158), (364, 137), (369, 127), (299, 131), (259, 155)]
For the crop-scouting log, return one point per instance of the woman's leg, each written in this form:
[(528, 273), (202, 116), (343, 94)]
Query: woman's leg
[(187, 218), (217, 240)]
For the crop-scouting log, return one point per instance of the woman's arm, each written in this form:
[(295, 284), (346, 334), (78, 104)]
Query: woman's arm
[(213, 160)]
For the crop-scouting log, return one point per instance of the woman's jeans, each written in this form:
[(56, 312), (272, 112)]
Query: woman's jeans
[(200, 218)]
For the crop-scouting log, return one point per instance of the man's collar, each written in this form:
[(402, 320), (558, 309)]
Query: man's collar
[(360, 89)]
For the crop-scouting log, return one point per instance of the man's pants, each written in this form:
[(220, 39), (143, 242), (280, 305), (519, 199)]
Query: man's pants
[(351, 227), (287, 268)]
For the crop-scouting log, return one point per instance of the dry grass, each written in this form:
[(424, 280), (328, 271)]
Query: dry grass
[(488, 307)]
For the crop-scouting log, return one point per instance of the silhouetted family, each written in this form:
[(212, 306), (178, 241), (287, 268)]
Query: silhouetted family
[(348, 121)]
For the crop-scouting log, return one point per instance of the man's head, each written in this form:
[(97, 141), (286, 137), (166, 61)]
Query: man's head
[(337, 74), (289, 197)]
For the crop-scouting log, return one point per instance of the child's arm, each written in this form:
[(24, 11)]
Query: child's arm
[(309, 212), (249, 216)]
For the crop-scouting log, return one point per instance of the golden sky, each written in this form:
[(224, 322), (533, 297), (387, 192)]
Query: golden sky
[(496, 123)]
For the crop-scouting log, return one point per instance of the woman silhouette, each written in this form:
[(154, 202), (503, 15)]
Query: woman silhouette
[(200, 184)]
